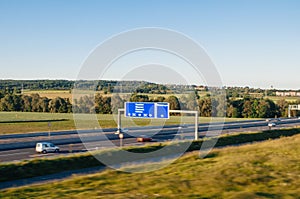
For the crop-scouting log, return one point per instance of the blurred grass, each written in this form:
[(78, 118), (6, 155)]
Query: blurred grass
[(268, 169), (23, 122)]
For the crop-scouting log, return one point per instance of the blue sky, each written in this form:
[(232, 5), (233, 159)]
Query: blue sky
[(252, 43)]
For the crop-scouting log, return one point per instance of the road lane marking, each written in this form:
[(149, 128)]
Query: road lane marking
[(11, 154), (39, 155)]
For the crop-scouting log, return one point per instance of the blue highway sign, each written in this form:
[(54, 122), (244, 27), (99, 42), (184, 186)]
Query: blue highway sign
[(147, 110), (139, 109), (162, 110)]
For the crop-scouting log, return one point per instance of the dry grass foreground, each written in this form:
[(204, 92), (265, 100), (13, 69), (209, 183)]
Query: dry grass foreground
[(268, 169)]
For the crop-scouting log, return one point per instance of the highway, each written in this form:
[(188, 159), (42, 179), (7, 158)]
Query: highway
[(16, 147)]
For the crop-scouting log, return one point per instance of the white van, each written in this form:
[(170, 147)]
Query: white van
[(45, 147)]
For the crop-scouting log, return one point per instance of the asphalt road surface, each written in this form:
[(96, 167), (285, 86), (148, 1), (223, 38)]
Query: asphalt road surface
[(16, 147)]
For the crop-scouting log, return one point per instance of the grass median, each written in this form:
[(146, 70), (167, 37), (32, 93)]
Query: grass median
[(24, 122)]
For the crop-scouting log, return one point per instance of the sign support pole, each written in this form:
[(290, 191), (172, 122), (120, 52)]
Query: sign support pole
[(196, 119), (293, 107), (119, 121), (196, 126), (141, 111)]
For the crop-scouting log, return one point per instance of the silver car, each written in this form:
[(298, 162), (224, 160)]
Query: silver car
[(45, 147)]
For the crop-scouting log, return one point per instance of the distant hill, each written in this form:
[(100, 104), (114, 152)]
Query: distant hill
[(15, 86)]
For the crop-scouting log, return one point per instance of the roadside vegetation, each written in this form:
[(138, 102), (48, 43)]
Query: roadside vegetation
[(261, 170), (44, 166)]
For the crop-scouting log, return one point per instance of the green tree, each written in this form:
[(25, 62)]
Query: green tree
[(267, 109), (139, 98), (35, 103), (219, 105), (43, 104), (254, 107), (247, 109), (6, 103), (173, 102), (58, 105), (282, 106), (87, 103), (159, 99), (191, 103), (27, 100), (103, 104), (17, 102), (232, 112), (116, 103), (235, 108), (205, 107)]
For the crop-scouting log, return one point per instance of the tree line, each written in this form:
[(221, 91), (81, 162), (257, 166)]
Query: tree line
[(111, 86), (247, 107), (17, 85), (34, 103)]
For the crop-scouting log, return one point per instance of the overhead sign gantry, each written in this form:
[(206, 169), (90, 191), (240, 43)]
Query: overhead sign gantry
[(293, 107), (153, 110)]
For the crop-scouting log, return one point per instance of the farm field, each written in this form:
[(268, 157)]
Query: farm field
[(288, 99), (68, 94), (267, 169), (51, 94), (23, 122)]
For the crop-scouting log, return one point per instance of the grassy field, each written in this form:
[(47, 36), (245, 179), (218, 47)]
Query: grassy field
[(67, 94), (268, 169), (22, 122), (288, 99), (51, 94)]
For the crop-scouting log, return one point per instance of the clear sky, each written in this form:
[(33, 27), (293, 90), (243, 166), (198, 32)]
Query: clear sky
[(253, 43)]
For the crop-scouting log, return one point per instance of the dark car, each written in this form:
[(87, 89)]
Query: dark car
[(143, 138)]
